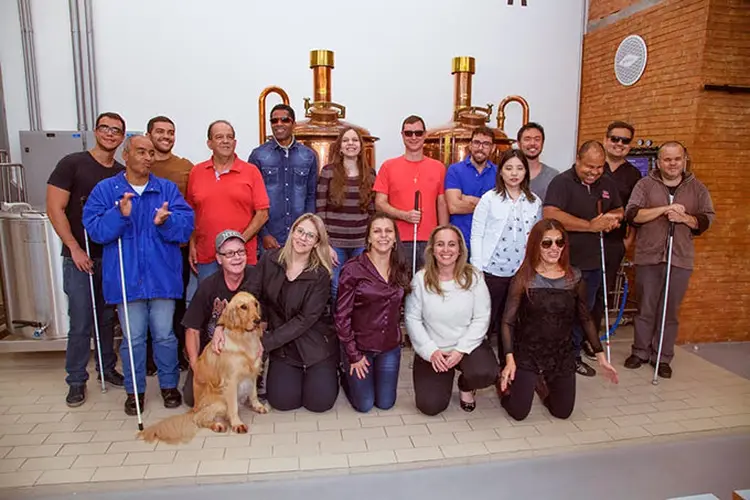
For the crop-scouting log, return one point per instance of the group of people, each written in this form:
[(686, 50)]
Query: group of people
[(508, 252)]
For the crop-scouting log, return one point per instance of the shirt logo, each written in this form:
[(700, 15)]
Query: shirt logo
[(605, 194)]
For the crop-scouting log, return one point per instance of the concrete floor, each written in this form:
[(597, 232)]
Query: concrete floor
[(716, 465)]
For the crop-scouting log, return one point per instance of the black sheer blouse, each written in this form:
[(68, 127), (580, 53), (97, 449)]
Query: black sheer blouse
[(538, 326)]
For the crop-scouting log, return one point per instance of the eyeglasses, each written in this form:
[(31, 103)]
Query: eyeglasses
[(559, 243), (622, 140), (231, 253), (412, 133), (286, 119), (481, 144), (305, 235), (106, 129)]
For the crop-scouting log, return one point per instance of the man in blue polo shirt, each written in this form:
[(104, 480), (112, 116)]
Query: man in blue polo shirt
[(467, 180)]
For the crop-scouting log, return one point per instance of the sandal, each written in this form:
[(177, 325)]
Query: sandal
[(466, 405)]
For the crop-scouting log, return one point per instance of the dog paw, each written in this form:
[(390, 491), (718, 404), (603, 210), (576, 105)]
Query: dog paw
[(260, 408), (218, 427), (240, 429)]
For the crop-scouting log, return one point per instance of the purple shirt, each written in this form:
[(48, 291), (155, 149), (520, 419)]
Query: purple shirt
[(368, 310)]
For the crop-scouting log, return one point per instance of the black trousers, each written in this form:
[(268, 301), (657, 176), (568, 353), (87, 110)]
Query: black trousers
[(289, 387), (560, 402), (432, 390), (498, 287), (179, 312)]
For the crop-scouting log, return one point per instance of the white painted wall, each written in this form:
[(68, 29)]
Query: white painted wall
[(198, 60)]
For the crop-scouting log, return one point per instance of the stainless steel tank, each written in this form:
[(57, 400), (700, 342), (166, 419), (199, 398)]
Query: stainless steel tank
[(36, 306)]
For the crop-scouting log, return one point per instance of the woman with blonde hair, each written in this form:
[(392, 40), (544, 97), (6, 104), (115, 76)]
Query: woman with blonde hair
[(293, 285), (447, 315), (345, 200)]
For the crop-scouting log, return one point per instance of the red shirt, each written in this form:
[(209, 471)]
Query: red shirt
[(400, 179), (228, 201)]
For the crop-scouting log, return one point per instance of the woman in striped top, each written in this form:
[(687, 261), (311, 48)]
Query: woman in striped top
[(345, 200)]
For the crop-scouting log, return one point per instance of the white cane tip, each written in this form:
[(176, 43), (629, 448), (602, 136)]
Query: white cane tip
[(654, 382)]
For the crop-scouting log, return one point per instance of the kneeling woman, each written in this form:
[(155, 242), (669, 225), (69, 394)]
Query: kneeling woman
[(368, 313), (293, 285), (447, 315), (545, 297)]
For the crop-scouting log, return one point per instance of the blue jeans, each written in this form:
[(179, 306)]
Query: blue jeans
[(156, 316), (77, 354), (343, 254), (593, 281), (378, 388), (204, 271)]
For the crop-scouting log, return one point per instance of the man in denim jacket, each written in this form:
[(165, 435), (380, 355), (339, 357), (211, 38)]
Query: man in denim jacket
[(290, 172)]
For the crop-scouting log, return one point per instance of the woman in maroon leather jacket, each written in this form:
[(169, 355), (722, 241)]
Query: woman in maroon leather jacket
[(368, 312)]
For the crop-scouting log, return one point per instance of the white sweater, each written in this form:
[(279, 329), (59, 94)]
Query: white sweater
[(456, 321)]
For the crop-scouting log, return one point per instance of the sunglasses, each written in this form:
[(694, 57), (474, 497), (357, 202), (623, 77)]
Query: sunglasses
[(286, 119), (547, 244), (412, 133), (621, 140)]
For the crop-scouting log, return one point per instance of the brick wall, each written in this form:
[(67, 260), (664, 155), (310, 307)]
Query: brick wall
[(690, 42)]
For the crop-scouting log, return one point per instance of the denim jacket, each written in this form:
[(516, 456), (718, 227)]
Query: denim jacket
[(291, 178)]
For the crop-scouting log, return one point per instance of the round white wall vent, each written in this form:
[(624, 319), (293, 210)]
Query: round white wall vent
[(630, 60)]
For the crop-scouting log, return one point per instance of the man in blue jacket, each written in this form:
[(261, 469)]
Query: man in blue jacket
[(152, 219)]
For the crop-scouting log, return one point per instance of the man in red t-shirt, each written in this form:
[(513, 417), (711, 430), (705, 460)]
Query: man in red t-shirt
[(400, 178), (226, 193)]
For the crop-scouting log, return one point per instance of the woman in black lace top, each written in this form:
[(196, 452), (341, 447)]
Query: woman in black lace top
[(545, 297)]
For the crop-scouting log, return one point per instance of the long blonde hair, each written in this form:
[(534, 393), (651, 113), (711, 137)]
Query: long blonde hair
[(320, 255), (463, 273)]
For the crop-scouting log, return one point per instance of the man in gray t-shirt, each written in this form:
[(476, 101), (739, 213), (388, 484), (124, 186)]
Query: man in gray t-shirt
[(531, 141)]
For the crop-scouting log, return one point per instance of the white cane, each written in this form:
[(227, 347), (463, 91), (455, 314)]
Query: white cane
[(604, 286), (414, 241), (655, 381), (127, 334), (96, 317)]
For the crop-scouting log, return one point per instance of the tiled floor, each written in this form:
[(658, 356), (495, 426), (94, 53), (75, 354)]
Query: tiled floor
[(43, 442)]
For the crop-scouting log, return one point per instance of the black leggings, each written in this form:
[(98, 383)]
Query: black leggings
[(289, 387), (559, 402)]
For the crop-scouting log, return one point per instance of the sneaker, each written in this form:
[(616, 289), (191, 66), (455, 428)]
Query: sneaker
[(584, 369), (588, 351), (130, 408), (114, 378), (172, 398), (151, 370), (664, 370), (183, 363), (76, 396), (634, 362)]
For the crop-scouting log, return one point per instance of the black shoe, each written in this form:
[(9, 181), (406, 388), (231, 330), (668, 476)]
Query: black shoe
[(664, 370), (588, 351), (130, 408), (584, 369), (184, 364), (466, 405), (172, 398), (151, 370), (114, 378), (634, 362), (76, 396)]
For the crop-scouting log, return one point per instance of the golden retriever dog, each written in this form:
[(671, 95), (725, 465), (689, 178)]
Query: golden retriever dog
[(217, 378)]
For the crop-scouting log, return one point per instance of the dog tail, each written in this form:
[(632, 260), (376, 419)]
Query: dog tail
[(172, 430)]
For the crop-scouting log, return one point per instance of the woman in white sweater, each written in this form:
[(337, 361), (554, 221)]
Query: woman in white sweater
[(500, 227), (447, 315)]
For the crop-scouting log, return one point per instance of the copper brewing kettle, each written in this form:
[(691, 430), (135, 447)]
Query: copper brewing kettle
[(325, 118), (450, 143)]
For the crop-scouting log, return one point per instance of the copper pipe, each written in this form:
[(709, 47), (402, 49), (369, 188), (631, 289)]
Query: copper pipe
[(262, 108), (321, 62), (501, 110), (463, 68)]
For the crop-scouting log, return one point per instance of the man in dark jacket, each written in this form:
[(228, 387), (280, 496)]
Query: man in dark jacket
[(149, 217), (669, 196)]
